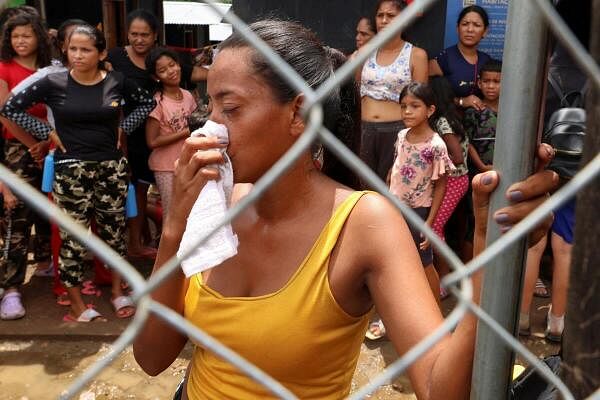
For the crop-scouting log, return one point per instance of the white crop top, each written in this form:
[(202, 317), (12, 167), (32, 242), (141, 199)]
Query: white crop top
[(386, 82)]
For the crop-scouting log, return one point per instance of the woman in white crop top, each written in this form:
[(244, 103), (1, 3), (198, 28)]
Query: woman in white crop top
[(382, 77)]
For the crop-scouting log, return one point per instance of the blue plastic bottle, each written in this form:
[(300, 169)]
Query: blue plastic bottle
[(48, 175), (130, 202)]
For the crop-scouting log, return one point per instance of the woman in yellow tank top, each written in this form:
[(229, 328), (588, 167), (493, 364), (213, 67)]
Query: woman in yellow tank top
[(314, 256)]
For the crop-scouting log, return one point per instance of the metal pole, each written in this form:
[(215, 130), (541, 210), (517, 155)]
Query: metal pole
[(516, 138)]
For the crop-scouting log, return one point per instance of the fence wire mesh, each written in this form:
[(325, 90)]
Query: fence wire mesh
[(458, 282)]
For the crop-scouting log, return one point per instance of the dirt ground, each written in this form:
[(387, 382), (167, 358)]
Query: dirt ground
[(40, 355)]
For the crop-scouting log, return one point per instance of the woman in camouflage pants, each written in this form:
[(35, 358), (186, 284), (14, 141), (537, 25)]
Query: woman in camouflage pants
[(91, 173)]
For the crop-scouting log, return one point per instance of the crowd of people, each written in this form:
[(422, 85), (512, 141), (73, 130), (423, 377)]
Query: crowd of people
[(314, 255)]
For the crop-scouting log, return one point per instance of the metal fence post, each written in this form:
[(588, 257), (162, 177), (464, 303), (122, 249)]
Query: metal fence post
[(515, 145)]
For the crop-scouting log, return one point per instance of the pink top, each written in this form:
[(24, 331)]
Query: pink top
[(171, 115), (416, 167)]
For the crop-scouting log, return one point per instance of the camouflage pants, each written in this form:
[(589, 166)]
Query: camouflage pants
[(16, 229), (86, 190)]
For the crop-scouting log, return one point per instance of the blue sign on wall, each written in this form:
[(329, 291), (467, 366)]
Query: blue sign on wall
[(493, 43)]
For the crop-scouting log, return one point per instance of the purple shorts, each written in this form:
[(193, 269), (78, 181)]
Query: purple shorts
[(564, 221)]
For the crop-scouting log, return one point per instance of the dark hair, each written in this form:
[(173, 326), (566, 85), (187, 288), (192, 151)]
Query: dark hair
[(145, 16), (491, 65), (93, 33), (29, 10), (476, 9), (444, 104), (302, 50), (61, 35), (297, 45), (153, 57), (400, 4), (421, 91), (10, 12), (7, 52), (344, 124), (370, 20), (155, 54)]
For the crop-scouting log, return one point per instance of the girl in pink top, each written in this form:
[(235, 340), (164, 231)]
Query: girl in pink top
[(418, 175), (167, 126)]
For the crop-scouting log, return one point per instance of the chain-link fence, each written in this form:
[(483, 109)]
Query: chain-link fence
[(458, 282)]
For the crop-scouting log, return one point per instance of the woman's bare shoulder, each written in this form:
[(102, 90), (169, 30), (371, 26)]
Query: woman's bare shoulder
[(374, 214)]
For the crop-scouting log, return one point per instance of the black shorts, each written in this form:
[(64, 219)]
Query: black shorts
[(377, 145), (138, 154), (427, 254)]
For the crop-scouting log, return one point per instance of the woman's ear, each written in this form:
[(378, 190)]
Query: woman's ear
[(103, 55), (297, 124)]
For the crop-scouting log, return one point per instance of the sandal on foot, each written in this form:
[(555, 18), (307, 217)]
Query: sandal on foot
[(540, 289), (11, 306), (124, 307), (88, 315), (376, 330)]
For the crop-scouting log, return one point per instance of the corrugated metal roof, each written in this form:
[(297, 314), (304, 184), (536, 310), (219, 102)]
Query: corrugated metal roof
[(189, 13), (219, 32)]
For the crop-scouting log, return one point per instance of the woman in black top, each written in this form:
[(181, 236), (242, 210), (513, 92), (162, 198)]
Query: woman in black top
[(142, 33), (91, 173)]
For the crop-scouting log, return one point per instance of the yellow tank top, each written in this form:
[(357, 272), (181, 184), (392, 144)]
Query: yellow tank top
[(299, 334)]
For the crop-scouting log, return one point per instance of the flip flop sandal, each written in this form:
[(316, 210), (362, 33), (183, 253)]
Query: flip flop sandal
[(121, 303), (88, 315), (540, 289), (371, 335)]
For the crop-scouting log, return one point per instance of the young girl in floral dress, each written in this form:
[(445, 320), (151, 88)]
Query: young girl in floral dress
[(418, 175)]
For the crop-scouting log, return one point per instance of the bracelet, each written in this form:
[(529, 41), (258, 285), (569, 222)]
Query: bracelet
[(460, 101)]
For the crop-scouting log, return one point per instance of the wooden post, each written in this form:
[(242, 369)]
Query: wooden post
[(581, 339)]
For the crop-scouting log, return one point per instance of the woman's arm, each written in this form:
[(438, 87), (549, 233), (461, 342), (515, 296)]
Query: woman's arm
[(434, 68), (192, 171), (15, 110), (454, 148), (474, 156), (199, 73), (420, 66), (144, 104), (9, 199), (20, 134), (155, 139), (439, 189), (393, 269)]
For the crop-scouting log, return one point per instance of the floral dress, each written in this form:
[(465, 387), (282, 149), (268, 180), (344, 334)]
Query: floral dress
[(416, 167)]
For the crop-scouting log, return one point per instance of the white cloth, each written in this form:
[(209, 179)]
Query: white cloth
[(207, 213)]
